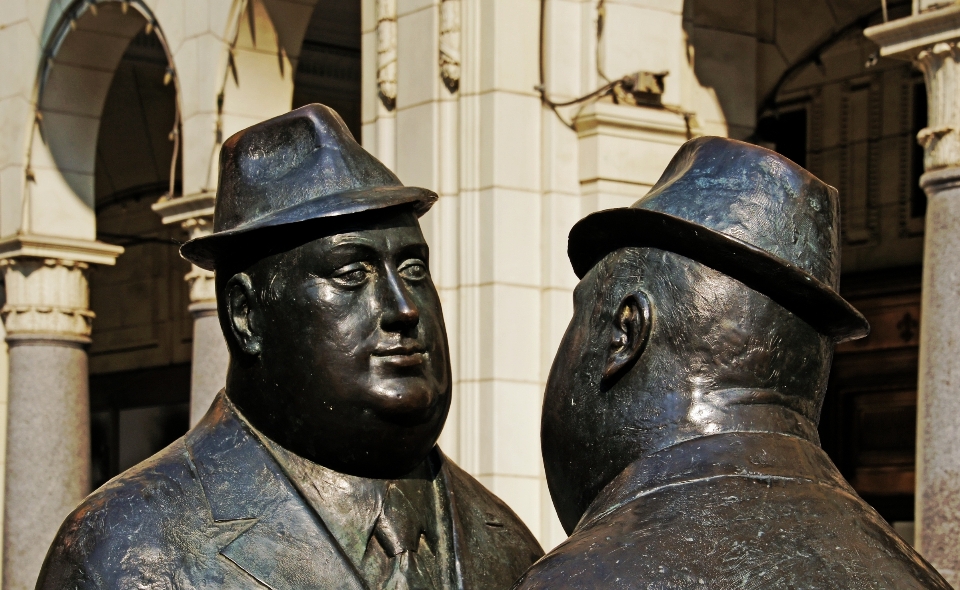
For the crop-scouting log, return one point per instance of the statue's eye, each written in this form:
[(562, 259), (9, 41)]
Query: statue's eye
[(352, 275), (413, 269)]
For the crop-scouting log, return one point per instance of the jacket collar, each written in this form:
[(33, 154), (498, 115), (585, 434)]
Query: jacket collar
[(753, 455), (279, 540)]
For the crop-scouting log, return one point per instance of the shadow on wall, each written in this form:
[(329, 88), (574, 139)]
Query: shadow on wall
[(742, 52)]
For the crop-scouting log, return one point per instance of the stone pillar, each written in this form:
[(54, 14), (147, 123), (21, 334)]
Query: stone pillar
[(930, 40), (208, 372), (48, 321)]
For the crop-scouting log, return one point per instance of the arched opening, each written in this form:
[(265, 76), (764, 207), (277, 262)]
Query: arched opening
[(824, 99), (140, 356), (852, 119), (105, 148)]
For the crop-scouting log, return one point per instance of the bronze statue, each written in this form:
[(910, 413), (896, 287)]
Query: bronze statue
[(680, 418), (317, 466)]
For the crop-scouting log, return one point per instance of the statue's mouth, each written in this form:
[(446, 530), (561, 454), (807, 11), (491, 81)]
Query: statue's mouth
[(399, 354), (403, 359)]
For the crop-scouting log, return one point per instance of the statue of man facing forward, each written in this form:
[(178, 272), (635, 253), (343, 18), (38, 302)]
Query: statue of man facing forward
[(317, 466)]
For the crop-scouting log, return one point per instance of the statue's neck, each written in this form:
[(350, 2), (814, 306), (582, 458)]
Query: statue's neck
[(740, 410)]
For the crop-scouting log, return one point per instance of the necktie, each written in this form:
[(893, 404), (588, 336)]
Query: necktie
[(399, 530)]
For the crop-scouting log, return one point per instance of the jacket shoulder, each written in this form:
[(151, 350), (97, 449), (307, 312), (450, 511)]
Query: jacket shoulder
[(498, 546), (733, 532), (134, 521)]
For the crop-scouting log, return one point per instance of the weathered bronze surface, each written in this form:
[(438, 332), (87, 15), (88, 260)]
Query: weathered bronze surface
[(317, 467), (680, 419)]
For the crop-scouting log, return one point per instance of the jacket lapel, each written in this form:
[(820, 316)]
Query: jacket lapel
[(277, 539), (480, 547)]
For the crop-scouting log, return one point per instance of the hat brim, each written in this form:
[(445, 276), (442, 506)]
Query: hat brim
[(205, 251), (815, 302)]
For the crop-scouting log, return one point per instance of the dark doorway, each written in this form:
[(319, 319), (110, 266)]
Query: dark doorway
[(869, 421), (787, 132), (329, 68), (134, 414)]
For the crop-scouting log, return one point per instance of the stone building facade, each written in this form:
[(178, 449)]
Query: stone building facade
[(524, 115)]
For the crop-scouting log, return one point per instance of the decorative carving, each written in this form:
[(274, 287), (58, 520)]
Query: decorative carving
[(387, 52), (941, 72), (47, 296), (907, 327), (450, 44)]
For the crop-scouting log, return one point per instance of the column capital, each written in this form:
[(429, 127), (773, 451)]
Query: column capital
[(930, 40), (53, 247), (194, 213), (47, 291)]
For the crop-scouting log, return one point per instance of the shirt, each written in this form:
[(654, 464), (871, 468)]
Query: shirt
[(351, 507)]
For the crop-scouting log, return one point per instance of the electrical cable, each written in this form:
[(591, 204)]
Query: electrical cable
[(542, 88), (627, 82)]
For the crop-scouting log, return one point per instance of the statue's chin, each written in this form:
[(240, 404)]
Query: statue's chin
[(408, 401)]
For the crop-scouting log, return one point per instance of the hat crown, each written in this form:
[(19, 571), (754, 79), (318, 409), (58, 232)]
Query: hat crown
[(756, 196), (300, 156)]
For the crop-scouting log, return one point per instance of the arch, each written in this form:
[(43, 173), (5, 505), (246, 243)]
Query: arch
[(742, 58), (813, 89), (84, 45), (139, 358), (259, 64)]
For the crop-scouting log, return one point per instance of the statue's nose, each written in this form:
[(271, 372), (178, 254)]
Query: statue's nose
[(399, 310)]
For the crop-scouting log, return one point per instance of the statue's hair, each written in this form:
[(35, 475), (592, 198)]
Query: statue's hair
[(712, 330)]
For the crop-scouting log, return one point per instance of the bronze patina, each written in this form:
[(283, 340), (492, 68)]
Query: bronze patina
[(680, 418), (317, 466)]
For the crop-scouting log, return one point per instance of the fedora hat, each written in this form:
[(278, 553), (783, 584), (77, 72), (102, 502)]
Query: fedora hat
[(300, 166), (746, 212)]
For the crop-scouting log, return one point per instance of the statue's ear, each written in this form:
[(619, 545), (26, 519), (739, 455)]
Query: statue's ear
[(243, 311), (628, 335)]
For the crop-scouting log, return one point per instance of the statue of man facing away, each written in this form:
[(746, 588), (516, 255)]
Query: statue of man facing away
[(680, 419)]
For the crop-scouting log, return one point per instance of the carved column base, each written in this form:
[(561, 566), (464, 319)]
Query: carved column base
[(48, 321)]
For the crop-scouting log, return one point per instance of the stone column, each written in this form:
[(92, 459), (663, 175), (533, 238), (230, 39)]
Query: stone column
[(48, 321), (208, 372), (930, 40)]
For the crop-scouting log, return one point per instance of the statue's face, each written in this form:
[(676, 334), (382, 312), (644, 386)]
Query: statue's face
[(354, 342), (571, 443), (598, 413), (707, 356)]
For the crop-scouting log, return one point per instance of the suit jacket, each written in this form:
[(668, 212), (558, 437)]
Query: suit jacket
[(729, 511), (214, 510)]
